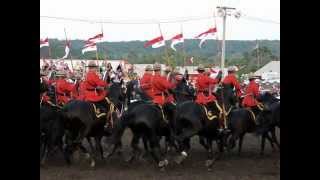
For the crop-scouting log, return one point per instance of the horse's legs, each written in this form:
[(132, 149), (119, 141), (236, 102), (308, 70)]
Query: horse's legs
[(203, 143), (274, 137), (155, 151), (135, 147), (263, 141), (99, 146), (270, 141), (240, 143), (43, 152)]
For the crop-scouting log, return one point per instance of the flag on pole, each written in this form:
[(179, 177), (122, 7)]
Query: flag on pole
[(95, 39), (156, 42), (67, 50), (89, 47), (175, 40), (44, 42), (206, 35)]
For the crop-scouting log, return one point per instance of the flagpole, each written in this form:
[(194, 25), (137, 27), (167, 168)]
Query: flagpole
[(65, 33), (49, 48), (258, 59), (183, 47), (165, 48)]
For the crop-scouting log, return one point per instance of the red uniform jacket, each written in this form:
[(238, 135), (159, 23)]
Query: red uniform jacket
[(145, 84), (159, 86), (252, 91), (81, 91), (64, 91), (202, 84), (91, 83), (231, 79)]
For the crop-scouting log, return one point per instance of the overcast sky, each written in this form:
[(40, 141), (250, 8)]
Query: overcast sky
[(237, 29)]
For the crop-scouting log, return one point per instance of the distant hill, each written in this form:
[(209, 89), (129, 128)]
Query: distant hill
[(135, 52)]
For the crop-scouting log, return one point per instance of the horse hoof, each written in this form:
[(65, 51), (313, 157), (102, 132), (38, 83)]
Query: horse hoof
[(106, 155), (93, 163), (130, 159), (209, 163), (163, 163), (163, 169), (179, 159), (87, 156)]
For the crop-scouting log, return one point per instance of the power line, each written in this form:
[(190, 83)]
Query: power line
[(152, 21)]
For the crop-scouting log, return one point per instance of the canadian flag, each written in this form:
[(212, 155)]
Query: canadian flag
[(44, 42), (89, 47), (206, 35), (175, 40), (156, 42), (95, 39), (67, 50)]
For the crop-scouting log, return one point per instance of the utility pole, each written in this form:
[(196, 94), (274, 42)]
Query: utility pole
[(224, 12)]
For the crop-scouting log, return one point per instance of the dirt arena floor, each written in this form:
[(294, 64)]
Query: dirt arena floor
[(248, 166)]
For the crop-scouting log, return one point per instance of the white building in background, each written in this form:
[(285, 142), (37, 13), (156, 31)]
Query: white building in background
[(270, 73)]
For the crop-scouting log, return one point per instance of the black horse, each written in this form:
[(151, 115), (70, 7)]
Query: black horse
[(242, 121), (191, 119), (51, 124), (184, 92), (147, 122), (82, 122), (269, 118)]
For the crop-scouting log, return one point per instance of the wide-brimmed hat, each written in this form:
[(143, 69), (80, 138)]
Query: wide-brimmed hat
[(232, 69), (148, 68), (168, 69), (200, 67), (157, 67), (92, 64), (252, 76), (60, 74)]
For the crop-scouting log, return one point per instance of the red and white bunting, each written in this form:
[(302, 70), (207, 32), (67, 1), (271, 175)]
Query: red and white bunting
[(67, 50), (175, 40), (95, 39), (44, 42), (89, 47), (156, 42), (206, 35)]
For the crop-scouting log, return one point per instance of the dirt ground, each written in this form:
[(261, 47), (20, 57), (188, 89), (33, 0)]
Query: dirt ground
[(248, 166)]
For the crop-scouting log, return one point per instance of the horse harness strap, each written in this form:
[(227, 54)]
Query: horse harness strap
[(51, 104), (210, 116), (163, 116), (98, 114), (253, 116)]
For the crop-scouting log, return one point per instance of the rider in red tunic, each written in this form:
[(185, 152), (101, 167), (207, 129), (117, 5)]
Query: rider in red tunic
[(95, 89), (202, 84), (64, 89), (251, 93), (231, 79), (145, 82), (160, 85), (204, 95)]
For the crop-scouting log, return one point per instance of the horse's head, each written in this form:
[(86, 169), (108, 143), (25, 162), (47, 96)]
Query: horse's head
[(117, 93), (183, 92), (267, 98), (226, 95)]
